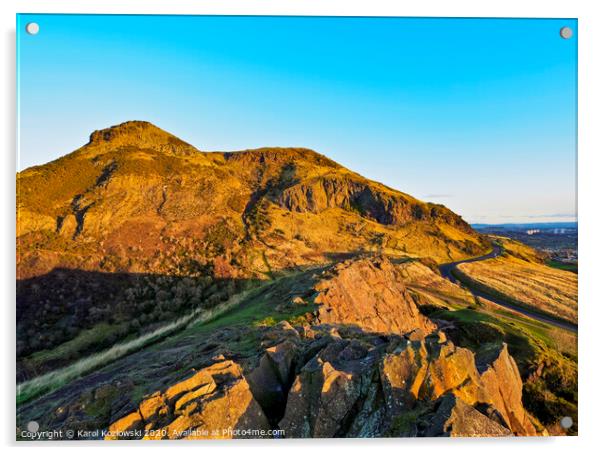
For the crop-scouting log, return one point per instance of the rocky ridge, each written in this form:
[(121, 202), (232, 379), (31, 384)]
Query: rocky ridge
[(344, 378)]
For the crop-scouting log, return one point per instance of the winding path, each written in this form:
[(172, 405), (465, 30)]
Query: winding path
[(447, 272)]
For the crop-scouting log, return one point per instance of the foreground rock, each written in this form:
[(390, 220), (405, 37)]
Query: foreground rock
[(215, 403), (371, 388), (455, 418)]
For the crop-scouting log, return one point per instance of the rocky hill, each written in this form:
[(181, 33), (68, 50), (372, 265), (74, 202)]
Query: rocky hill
[(134, 190), (137, 227)]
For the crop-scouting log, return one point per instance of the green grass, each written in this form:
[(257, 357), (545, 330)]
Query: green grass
[(55, 379), (569, 267), (256, 311), (72, 349), (510, 324)]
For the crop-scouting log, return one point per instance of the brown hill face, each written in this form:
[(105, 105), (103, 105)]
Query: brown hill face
[(138, 199)]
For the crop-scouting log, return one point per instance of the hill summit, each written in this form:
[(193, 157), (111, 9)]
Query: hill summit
[(137, 134)]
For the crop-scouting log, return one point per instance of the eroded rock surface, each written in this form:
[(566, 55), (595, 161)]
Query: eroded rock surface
[(354, 388), (369, 293), (456, 418), (214, 403)]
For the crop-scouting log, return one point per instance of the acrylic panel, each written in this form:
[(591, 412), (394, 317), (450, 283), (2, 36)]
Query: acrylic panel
[(295, 227)]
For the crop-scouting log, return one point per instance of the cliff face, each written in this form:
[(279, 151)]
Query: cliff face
[(379, 204)]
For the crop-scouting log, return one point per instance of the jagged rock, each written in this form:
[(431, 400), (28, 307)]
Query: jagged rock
[(503, 388), (214, 403), (427, 371), (121, 428), (369, 294), (402, 375), (279, 333), (272, 378), (307, 332), (357, 387), (452, 369), (328, 393), (456, 418)]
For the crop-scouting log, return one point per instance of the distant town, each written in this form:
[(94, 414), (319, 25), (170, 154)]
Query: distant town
[(558, 240)]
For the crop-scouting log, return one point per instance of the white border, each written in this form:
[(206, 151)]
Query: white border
[(590, 193)]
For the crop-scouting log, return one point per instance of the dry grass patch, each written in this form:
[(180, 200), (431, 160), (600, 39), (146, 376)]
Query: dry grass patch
[(537, 286)]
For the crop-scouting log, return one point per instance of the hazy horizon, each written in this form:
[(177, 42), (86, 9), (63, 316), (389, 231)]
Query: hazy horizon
[(479, 115)]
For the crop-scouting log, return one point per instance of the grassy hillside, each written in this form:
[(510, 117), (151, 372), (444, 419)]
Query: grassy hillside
[(538, 286)]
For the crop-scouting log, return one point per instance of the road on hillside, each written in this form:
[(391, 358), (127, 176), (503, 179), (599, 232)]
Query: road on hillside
[(447, 272)]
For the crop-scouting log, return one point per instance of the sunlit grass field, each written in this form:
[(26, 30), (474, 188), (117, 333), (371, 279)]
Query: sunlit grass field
[(538, 286)]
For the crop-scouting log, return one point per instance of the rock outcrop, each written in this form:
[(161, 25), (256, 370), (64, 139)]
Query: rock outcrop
[(272, 378), (369, 293), (401, 387), (362, 362), (372, 201), (332, 390), (141, 135), (215, 403), (502, 388), (427, 370)]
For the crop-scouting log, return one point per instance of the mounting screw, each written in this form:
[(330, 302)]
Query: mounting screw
[(566, 32), (32, 28)]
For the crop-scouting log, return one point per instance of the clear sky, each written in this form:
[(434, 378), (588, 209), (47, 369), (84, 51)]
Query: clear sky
[(479, 115)]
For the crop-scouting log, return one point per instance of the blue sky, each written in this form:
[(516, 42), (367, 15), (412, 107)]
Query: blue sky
[(479, 115)]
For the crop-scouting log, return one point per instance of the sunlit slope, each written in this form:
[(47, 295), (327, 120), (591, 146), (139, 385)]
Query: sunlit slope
[(121, 201), (530, 284)]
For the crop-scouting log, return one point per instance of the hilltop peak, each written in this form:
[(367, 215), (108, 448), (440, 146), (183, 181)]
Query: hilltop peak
[(134, 128), (137, 133)]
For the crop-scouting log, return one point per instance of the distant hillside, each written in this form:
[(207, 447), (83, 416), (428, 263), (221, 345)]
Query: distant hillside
[(125, 199)]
